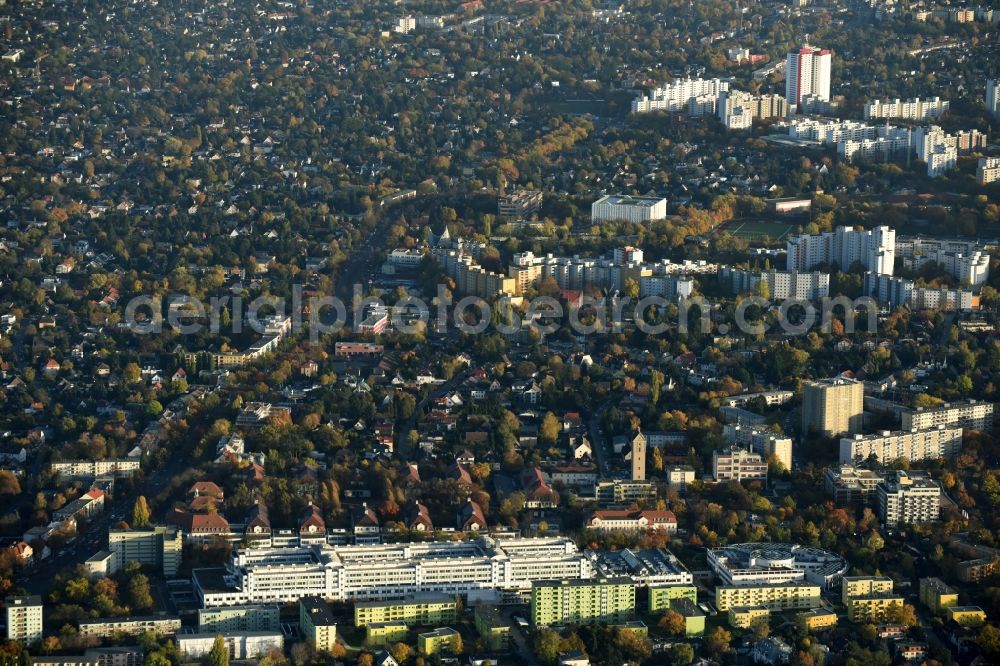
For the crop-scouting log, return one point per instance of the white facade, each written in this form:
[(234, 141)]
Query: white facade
[(613, 207), (247, 645), (911, 109), (908, 498), (988, 170), (971, 414), (388, 571), (808, 75), (762, 441), (968, 268), (894, 291), (874, 248), (993, 97), (24, 619), (738, 465), (781, 285), (886, 446), (677, 96)]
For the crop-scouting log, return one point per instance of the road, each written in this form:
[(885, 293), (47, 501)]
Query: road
[(598, 441)]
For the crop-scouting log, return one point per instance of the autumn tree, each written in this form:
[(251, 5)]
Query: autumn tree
[(672, 623), (218, 655), (140, 512)]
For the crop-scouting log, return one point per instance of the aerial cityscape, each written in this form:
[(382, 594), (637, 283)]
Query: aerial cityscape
[(499, 332)]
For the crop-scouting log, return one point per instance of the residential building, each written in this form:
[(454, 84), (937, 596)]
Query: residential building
[(623, 491), (385, 633), (694, 617), (735, 464), (679, 476), (762, 441), (908, 498), (894, 291), (832, 406), (493, 628), (106, 627), (95, 468), (988, 170), (23, 619), (682, 96), (747, 617), (869, 598), (248, 645), (560, 602), (915, 445), (444, 640), (970, 267), (911, 109), (660, 596), (520, 203), (937, 595), (993, 97), (613, 207), (779, 285), (613, 520), (972, 414), (852, 486), (318, 624), (159, 546), (737, 109), (808, 75), (239, 619), (84, 507), (967, 616), (774, 596), (418, 610), (874, 248), (817, 618)]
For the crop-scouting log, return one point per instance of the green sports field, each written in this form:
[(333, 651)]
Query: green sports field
[(761, 231)]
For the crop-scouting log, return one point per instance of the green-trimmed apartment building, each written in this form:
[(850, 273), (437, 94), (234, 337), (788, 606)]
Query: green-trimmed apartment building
[(317, 623), (660, 597), (493, 628), (419, 610), (444, 639), (383, 633), (604, 600)]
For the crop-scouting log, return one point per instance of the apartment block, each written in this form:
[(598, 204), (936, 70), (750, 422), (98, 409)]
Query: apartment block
[(385, 633), (911, 109), (239, 619), (832, 406), (419, 610), (623, 491), (852, 486), (248, 645), (162, 625), (521, 203), (908, 498), (781, 285), (817, 618), (937, 595), (493, 628), (747, 617), (967, 616), (874, 248), (95, 468), (869, 598), (988, 170), (894, 291), (159, 546), (317, 623), (679, 95), (582, 601), (776, 596), (972, 414), (762, 441), (23, 619), (661, 596), (694, 617), (916, 445), (444, 640), (735, 464), (807, 75)]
